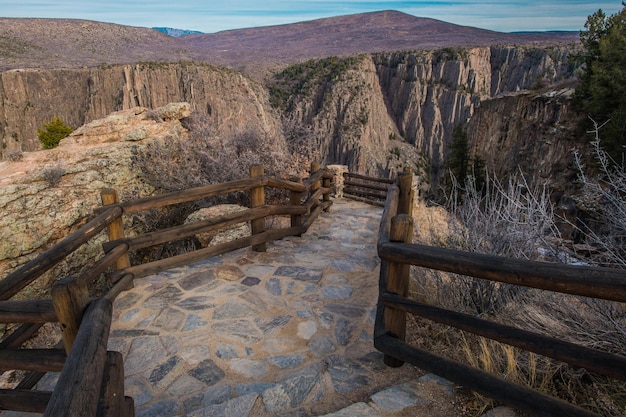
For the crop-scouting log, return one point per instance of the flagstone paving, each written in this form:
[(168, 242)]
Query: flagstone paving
[(282, 332)]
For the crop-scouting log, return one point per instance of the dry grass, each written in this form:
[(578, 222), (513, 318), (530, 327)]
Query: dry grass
[(592, 323)]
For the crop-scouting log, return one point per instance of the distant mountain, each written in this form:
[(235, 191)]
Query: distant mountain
[(177, 32), (70, 43)]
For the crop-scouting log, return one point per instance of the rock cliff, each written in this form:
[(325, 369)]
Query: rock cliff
[(30, 98), (48, 194)]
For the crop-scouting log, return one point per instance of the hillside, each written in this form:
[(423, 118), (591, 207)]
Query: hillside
[(66, 43)]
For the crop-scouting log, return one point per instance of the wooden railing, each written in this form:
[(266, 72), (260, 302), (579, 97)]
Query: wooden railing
[(397, 253), (92, 380), (365, 188)]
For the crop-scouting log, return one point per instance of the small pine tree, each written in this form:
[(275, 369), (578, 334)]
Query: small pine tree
[(53, 132)]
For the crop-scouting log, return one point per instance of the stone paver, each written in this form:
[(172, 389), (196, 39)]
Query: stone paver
[(287, 332)]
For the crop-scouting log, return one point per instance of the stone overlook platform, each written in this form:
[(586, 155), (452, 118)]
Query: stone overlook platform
[(282, 332), (287, 332)]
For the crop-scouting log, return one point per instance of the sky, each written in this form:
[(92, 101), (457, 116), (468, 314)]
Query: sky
[(216, 15)]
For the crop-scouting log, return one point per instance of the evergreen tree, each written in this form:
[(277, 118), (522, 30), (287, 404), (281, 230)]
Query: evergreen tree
[(53, 132), (602, 90), (457, 162)]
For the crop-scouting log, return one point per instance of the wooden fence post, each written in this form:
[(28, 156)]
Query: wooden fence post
[(397, 283), (315, 166), (70, 298), (257, 199), (116, 229), (405, 183), (295, 199), (326, 183)]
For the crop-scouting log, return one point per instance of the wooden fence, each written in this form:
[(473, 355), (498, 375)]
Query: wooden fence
[(91, 381), (397, 253), (366, 189)]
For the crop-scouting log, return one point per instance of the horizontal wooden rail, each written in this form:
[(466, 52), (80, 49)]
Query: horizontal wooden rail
[(191, 194), (41, 360), (16, 281), (211, 251), (25, 400), (104, 263), (613, 366), (192, 229), (20, 335), (365, 194), (314, 199), (78, 389), (378, 187), (322, 173), (120, 285), (368, 178), (308, 220), (31, 311), (605, 283), (286, 185), (480, 381)]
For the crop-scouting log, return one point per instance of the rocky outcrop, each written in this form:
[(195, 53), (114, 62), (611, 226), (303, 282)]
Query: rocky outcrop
[(30, 98), (367, 116), (534, 133), (48, 194)]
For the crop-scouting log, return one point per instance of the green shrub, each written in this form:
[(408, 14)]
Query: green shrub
[(53, 132)]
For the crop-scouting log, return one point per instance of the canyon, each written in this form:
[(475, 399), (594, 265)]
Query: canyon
[(377, 112)]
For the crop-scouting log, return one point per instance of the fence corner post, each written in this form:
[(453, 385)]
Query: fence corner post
[(70, 299), (257, 199), (405, 183), (397, 283)]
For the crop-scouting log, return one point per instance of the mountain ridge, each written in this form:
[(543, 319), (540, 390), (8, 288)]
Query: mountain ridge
[(69, 43)]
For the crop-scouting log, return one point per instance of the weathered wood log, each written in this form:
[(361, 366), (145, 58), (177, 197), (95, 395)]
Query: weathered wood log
[(326, 183), (112, 400), (257, 199), (308, 220), (390, 210), (405, 183), (314, 198), (120, 285), (40, 360), (14, 282), (295, 199), (191, 194), (191, 229), (613, 366), (377, 187), (70, 298), (397, 282), (211, 251), (89, 276), (501, 390), (78, 389), (377, 203), (606, 283), (368, 178), (115, 230), (292, 185), (316, 173), (20, 335), (25, 400), (364, 193), (32, 311)]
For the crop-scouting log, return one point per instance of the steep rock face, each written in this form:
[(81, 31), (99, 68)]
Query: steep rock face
[(30, 98), (535, 133), (428, 93), (48, 194)]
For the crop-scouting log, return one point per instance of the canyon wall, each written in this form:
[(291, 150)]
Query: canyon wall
[(30, 98)]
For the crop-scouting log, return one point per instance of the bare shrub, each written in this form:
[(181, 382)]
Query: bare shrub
[(603, 198), (53, 175), (515, 220), (15, 155), (205, 157)]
